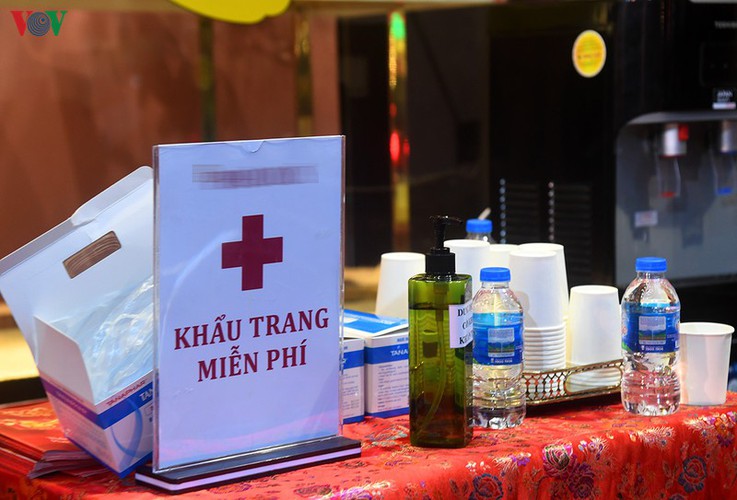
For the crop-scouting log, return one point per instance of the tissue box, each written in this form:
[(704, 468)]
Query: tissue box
[(352, 381), (106, 247), (386, 358)]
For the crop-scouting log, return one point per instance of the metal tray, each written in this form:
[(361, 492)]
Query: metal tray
[(553, 386)]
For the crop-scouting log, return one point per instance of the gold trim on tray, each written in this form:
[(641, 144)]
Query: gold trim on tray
[(554, 386)]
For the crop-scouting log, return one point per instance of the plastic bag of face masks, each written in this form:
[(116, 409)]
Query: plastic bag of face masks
[(122, 348)]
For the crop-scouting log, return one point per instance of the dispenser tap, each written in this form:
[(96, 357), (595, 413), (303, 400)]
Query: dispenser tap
[(724, 158), (673, 140), (728, 137)]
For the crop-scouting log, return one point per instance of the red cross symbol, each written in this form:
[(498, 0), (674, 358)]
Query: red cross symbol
[(252, 253)]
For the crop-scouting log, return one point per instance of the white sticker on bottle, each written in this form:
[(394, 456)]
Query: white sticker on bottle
[(460, 323)]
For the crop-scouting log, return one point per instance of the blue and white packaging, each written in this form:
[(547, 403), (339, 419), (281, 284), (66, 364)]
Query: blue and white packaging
[(352, 381), (103, 249), (386, 358)]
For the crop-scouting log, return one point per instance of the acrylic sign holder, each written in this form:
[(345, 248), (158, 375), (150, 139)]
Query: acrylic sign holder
[(248, 276)]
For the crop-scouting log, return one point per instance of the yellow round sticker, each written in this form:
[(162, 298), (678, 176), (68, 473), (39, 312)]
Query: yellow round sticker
[(235, 11), (589, 53)]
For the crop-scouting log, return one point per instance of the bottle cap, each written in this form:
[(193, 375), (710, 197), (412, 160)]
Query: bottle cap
[(495, 274), (651, 264), (440, 260), (478, 226)]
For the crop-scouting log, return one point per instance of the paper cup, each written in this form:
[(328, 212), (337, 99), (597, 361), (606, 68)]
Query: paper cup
[(556, 329), (593, 328), (471, 257), (500, 254), (542, 348), (597, 378), (534, 282), (544, 355), (560, 259), (553, 345), (704, 362), (548, 364), (559, 331), (396, 269), (553, 341)]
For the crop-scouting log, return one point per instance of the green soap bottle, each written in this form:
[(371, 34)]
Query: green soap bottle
[(440, 349)]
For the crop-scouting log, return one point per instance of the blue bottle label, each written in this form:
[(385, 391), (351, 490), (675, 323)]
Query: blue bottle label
[(654, 332), (498, 345)]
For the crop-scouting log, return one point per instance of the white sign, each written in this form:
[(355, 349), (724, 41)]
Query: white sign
[(248, 273), (460, 324)]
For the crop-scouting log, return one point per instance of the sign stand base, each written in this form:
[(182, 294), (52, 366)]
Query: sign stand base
[(251, 465)]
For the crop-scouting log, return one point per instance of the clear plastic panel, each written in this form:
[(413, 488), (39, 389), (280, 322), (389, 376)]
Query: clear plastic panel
[(249, 289)]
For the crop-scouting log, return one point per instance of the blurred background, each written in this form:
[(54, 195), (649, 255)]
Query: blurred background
[(609, 127)]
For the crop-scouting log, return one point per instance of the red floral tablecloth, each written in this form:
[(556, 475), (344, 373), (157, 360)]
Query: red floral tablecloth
[(575, 451)]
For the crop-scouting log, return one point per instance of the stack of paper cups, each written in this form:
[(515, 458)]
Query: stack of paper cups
[(535, 283), (545, 349)]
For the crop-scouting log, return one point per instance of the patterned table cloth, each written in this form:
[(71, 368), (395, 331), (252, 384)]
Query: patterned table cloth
[(585, 449)]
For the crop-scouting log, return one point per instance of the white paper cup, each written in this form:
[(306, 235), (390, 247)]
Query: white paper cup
[(597, 378), (396, 269), (471, 257), (556, 329), (554, 341), (593, 327), (548, 364), (500, 254), (545, 348), (544, 355), (535, 283), (704, 362), (546, 333), (560, 258), (553, 345)]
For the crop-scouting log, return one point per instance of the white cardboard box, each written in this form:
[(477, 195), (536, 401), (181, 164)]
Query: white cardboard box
[(105, 247), (352, 381), (386, 358)]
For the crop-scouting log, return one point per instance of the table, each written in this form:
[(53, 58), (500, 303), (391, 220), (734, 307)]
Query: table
[(585, 449)]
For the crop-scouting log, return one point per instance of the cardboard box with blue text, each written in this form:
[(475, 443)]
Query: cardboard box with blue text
[(386, 358), (103, 249)]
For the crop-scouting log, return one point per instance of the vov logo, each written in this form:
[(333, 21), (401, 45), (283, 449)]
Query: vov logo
[(38, 23)]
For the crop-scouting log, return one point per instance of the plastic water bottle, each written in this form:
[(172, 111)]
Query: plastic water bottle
[(479, 229), (651, 314), (498, 387)]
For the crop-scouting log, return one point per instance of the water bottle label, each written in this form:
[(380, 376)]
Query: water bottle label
[(656, 333), (460, 322), (498, 345)]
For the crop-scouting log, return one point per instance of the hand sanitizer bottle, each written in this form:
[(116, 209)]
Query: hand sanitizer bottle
[(440, 349)]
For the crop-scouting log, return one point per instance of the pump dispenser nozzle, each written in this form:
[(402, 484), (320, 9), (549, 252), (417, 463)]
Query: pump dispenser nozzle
[(440, 260)]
